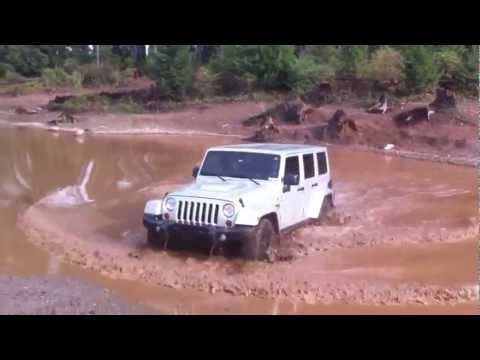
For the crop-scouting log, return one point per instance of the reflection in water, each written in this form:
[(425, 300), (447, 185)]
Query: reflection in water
[(71, 195), (34, 165)]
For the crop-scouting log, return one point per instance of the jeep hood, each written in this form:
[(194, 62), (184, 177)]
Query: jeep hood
[(229, 190)]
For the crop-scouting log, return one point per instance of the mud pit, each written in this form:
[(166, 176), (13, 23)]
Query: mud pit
[(405, 234)]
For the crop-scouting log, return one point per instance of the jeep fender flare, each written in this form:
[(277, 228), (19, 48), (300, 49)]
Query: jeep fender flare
[(252, 218)]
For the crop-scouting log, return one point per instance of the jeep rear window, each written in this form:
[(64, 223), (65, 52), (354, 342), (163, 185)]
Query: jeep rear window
[(322, 163), (308, 166), (241, 165)]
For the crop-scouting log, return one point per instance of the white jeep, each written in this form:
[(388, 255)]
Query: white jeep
[(250, 193)]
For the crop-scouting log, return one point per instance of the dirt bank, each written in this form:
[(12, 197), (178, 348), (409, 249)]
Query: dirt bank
[(56, 296), (453, 142)]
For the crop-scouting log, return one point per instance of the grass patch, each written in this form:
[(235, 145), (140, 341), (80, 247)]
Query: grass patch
[(24, 88), (96, 103)]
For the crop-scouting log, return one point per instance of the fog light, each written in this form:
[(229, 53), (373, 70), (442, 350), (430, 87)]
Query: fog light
[(223, 238), (228, 223)]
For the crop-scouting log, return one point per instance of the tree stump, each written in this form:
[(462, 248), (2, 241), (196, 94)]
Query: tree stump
[(381, 107), (444, 101)]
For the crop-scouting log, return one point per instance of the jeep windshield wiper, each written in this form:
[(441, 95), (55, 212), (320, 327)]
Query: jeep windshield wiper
[(252, 180), (221, 178)]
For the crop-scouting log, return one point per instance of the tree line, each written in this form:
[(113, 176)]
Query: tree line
[(181, 71)]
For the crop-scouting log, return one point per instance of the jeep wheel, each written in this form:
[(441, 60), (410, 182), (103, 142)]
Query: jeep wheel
[(156, 239), (327, 206), (262, 242)]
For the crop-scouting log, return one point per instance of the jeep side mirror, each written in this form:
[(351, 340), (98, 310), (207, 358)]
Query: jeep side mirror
[(195, 171), (291, 180)]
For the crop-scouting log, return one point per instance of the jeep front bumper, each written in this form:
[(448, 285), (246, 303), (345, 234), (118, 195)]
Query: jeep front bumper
[(211, 233)]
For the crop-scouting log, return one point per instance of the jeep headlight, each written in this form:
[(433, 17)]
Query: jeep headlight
[(228, 210), (170, 204)]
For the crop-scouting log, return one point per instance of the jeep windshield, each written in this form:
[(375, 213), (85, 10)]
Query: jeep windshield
[(245, 165)]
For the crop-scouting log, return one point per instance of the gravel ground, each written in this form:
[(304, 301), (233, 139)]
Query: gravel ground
[(57, 296)]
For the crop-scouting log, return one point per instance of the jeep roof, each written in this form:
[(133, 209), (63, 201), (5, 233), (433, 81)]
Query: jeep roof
[(278, 149)]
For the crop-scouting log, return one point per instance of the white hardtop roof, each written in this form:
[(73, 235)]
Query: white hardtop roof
[(278, 149)]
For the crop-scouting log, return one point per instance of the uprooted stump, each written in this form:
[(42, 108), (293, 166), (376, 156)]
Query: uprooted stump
[(266, 135), (268, 132), (340, 123), (340, 126), (292, 112), (444, 101), (413, 117), (64, 117), (381, 107)]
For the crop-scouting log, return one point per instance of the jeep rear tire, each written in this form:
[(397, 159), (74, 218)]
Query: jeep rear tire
[(327, 206), (263, 239), (156, 239)]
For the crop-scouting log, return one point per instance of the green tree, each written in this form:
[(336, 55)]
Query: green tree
[(421, 70), (386, 64), (324, 54), (272, 66), (28, 60), (353, 60), (172, 70)]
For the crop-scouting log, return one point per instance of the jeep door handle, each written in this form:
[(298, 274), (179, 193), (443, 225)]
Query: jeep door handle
[(314, 185), (301, 189)]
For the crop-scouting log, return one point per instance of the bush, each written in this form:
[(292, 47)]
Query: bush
[(71, 65), (171, 68), (8, 74), (229, 84), (306, 73), (98, 76), (272, 66), (386, 64), (58, 77)]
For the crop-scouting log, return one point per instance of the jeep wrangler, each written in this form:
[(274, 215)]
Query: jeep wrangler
[(250, 193)]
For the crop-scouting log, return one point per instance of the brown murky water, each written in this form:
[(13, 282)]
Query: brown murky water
[(108, 174)]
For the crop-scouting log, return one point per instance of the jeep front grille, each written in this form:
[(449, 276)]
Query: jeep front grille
[(197, 213)]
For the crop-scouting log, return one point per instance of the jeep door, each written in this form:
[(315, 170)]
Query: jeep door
[(290, 209), (317, 185), (310, 183), (323, 171)]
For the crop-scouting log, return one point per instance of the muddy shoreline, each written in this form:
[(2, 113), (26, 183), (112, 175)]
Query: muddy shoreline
[(79, 132)]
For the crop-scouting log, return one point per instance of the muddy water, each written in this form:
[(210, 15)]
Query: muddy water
[(103, 178)]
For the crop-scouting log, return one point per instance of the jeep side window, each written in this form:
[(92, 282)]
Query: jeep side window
[(292, 166), (322, 163), (309, 166)]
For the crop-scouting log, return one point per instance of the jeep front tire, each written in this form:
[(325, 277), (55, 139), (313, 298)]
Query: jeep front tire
[(156, 239), (258, 244)]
